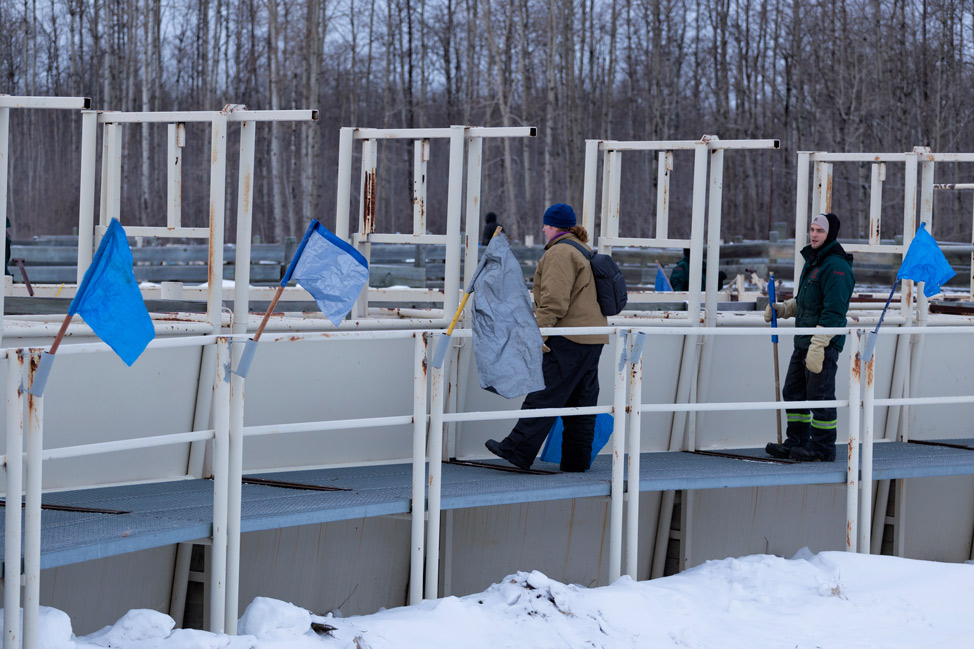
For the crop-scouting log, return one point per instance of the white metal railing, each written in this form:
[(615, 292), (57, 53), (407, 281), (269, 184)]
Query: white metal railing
[(364, 234), (229, 434), (708, 174)]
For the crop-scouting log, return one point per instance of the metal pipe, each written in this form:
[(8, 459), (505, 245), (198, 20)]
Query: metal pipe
[(418, 497), (451, 273), (475, 152), (801, 211), (868, 417), (218, 184), (32, 511), (137, 117), (342, 201), (245, 215), (174, 175), (635, 366), (589, 186), (698, 214), (421, 156), (663, 173), (65, 103), (115, 446), (15, 487), (437, 403), (86, 192), (852, 466), (4, 167), (619, 389), (221, 466), (234, 492)]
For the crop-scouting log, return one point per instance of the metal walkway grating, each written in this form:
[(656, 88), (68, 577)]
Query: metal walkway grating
[(172, 512)]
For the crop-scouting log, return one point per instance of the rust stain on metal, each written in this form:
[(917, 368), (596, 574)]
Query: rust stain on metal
[(828, 193), (875, 232), (370, 202), (857, 368), (848, 534), (247, 192), (869, 372)]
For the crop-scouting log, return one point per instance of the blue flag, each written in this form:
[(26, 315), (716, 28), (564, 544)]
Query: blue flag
[(925, 262), (109, 298), (662, 284), (330, 269)]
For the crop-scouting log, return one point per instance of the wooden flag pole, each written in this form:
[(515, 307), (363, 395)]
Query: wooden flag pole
[(267, 316), (60, 334)]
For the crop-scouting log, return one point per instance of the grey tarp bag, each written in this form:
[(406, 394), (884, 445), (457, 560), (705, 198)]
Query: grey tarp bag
[(506, 339)]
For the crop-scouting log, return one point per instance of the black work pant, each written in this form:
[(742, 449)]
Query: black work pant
[(815, 429), (571, 378)]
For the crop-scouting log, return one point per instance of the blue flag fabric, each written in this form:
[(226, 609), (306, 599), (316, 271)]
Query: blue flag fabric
[(330, 269), (109, 299), (925, 262), (552, 447), (662, 284)]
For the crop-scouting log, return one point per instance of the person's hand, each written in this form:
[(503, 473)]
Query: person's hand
[(786, 309), (816, 353), (545, 349)]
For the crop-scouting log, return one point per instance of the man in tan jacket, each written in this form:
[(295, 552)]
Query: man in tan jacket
[(564, 296)]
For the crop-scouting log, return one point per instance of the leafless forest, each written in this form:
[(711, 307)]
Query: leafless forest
[(835, 75)]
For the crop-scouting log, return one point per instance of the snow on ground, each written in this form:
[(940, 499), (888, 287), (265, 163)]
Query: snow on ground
[(831, 600)]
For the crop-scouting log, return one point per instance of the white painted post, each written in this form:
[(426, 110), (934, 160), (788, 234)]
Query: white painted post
[(234, 491), (421, 156), (619, 396), (713, 236), (218, 184), (4, 165), (174, 174), (32, 511), (221, 467), (876, 203), (437, 403), (15, 487), (634, 448), (342, 205), (852, 465), (86, 196), (801, 213), (700, 159), (589, 187), (475, 150), (418, 499), (454, 203), (663, 173), (245, 216), (366, 216), (868, 416)]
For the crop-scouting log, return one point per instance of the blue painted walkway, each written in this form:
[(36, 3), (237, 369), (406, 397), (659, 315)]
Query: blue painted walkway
[(173, 512)]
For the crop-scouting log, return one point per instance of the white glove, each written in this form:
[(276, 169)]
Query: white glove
[(786, 309), (816, 352)]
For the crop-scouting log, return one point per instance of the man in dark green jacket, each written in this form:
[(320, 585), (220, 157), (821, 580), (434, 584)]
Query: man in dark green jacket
[(821, 300)]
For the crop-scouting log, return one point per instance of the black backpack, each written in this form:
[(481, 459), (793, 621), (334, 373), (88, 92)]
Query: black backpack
[(610, 285)]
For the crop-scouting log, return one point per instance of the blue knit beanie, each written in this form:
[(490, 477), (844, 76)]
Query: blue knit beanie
[(560, 215)]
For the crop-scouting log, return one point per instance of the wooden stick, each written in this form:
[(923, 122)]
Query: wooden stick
[(263, 323), (60, 334)]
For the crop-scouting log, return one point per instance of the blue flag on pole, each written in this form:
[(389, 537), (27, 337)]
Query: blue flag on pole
[(662, 284), (330, 269), (109, 299), (925, 262)]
